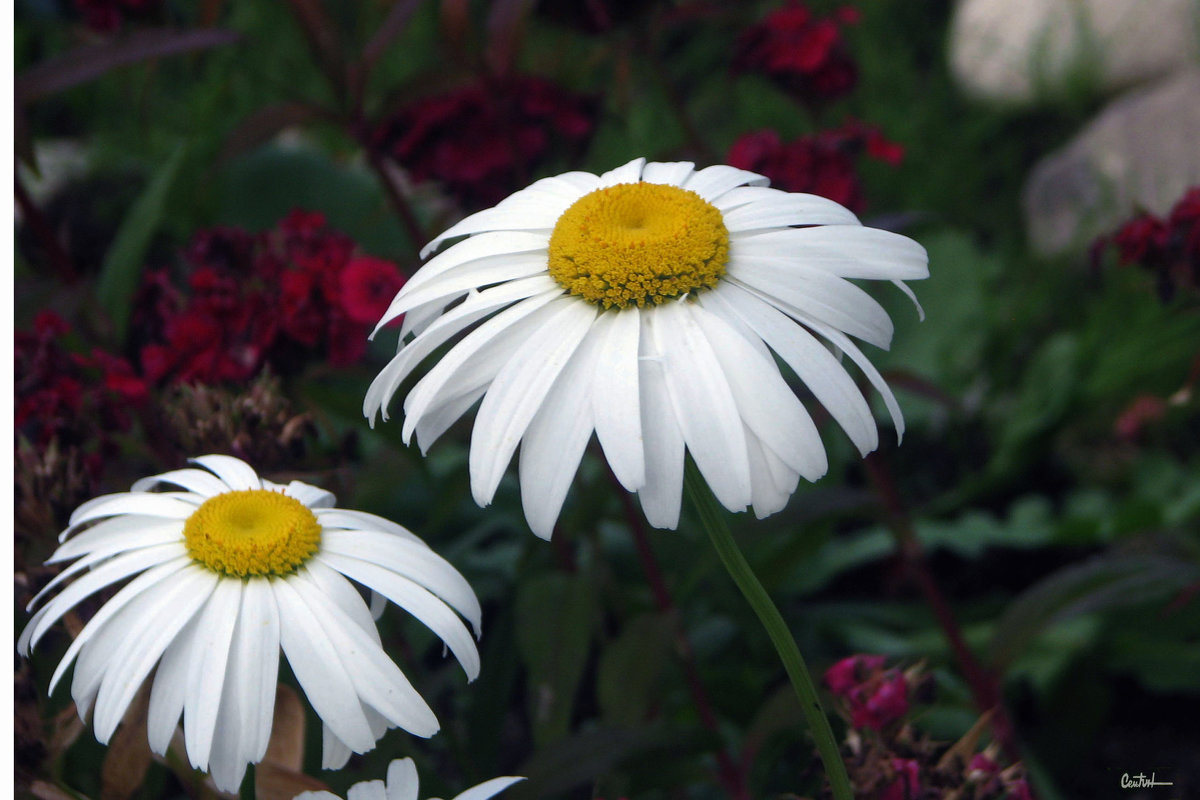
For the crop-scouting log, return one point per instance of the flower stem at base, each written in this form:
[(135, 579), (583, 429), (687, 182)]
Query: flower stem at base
[(739, 569)]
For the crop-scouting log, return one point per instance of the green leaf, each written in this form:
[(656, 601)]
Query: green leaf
[(556, 616), (1113, 580), (630, 668), (123, 263)]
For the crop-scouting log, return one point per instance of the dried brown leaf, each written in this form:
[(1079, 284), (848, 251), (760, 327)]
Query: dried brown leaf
[(273, 782), (286, 748), (128, 755)]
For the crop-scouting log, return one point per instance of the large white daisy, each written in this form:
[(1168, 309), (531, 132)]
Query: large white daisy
[(647, 304), (227, 570), (403, 784)]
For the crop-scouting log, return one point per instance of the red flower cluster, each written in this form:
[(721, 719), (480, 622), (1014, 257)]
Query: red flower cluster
[(1169, 248), (804, 55), (483, 140), (272, 298), (875, 696), (891, 760), (823, 163), (75, 399)]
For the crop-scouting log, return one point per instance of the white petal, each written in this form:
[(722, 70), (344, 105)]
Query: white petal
[(117, 544), (157, 617), (704, 405), (317, 667), (206, 675), (849, 251), (517, 392), (488, 788), (256, 643), (197, 481), (556, 438), (348, 519), (415, 320), (616, 398), (337, 590), (438, 418), (151, 561), (115, 534), (147, 504), (170, 688), (750, 208), (816, 294), (662, 494), (474, 275), (812, 362), (627, 173), (475, 360), (672, 173), (484, 245), (764, 400), (374, 676), (367, 790), (477, 306), (768, 497), (237, 474), (419, 602), (402, 781), (311, 496), (712, 182), (414, 560), (839, 340), (334, 752)]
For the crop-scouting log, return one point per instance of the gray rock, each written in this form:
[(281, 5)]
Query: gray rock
[(1141, 153), (1021, 51)]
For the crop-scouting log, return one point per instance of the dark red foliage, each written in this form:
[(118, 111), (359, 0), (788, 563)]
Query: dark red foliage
[(823, 163), (274, 298), (906, 785), (804, 55), (74, 399), (483, 141), (1168, 248)]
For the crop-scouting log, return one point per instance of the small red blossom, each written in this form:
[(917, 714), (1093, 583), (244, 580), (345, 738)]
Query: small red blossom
[(276, 298), (1170, 248), (875, 704), (367, 287), (482, 141), (804, 55), (823, 163), (1143, 410), (851, 671), (107, 16), (907, 784)]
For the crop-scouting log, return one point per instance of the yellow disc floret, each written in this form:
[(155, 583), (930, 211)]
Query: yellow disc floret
[(252, 532), (638, 243)]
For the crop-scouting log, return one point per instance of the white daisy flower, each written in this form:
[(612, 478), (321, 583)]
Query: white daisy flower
[(647, 304), (403, 784), (228, 569)]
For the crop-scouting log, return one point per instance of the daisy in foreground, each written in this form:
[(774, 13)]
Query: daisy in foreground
[(402, 784), (228, 569), (648, 304)]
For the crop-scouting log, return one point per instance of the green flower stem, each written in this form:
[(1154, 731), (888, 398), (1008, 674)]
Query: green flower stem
[(739, 569)]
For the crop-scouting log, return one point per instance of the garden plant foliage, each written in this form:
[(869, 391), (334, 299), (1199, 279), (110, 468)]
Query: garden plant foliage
[(216, 202)]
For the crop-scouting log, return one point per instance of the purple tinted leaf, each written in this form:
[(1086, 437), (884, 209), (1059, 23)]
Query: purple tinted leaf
[(89, 63)]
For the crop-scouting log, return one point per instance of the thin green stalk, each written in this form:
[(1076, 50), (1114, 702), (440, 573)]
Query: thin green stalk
[(739, 569)]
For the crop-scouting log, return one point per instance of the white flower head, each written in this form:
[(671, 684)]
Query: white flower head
[(227, 570), (648, 305), (402, 784)]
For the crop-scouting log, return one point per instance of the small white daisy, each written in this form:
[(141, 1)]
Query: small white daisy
[(226, 573), (403, 784), (647, 304)]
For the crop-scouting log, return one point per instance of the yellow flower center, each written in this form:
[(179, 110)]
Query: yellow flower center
[(252, 532), (638, 243)]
